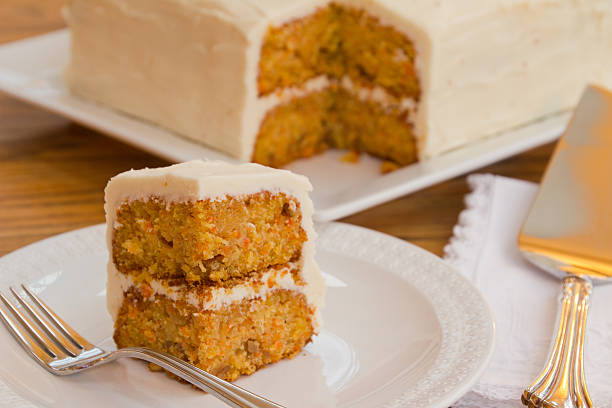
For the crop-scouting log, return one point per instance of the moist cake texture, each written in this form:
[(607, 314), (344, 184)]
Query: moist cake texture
[(332, 118), (213, 263), (273, 81), (207, 240), (246, 335), (228, 341), (338, 41)]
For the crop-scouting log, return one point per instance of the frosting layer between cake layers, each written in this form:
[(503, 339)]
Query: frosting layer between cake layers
[(208, 298), (483, 66), (200, 180)]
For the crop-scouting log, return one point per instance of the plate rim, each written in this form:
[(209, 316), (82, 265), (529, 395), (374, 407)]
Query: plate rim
[(177, 148), (328, 236), (384, 240)]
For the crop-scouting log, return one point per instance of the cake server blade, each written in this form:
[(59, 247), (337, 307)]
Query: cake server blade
[(569, 227), (568, 233)]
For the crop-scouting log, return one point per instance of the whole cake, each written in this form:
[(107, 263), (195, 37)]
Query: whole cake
[(271, 81), (213, 263)]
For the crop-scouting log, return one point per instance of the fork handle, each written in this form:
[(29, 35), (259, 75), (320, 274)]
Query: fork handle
[(562, 382), (231, 394)]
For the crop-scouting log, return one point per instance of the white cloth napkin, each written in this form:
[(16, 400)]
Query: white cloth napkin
[(524, 299)]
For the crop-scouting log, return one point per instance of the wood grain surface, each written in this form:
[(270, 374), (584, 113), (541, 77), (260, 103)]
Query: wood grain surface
[(53, 172)]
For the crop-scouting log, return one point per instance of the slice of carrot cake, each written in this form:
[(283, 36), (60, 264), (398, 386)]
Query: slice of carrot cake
[(213, 263)]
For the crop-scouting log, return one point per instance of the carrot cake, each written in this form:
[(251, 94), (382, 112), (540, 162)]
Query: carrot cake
[(272, 81), (213, 263)]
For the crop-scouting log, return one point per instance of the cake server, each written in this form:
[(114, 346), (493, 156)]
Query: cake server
[(568, 233)]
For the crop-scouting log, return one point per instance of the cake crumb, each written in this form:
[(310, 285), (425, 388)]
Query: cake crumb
[(351, 157), (388, 167)]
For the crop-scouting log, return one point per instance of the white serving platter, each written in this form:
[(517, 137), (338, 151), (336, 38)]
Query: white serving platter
[(31, 70), (402, 329)]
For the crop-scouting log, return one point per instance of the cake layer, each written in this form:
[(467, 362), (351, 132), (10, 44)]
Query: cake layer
[(335, 118), (228, 342), (208, 241), (338, 41)]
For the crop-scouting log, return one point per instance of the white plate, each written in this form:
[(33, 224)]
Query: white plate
[(32, 71), (402, 329)]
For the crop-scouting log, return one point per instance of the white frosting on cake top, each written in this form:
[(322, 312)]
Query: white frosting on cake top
[(200, 180)]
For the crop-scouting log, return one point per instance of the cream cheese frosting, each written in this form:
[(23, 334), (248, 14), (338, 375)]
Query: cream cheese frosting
[(216, 297), (484, 66), (200, 180)]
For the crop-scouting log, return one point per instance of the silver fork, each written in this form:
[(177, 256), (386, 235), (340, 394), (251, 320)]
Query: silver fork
[(62, 351)]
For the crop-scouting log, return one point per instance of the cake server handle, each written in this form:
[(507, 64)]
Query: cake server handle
[(229, 393), (562, 382)]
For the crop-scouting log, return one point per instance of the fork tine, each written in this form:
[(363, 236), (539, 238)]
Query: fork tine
[(51, 332), (41, 355), (68, 332), (45, 343)]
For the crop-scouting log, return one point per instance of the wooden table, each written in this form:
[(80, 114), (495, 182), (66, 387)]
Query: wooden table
[(53, 172)]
